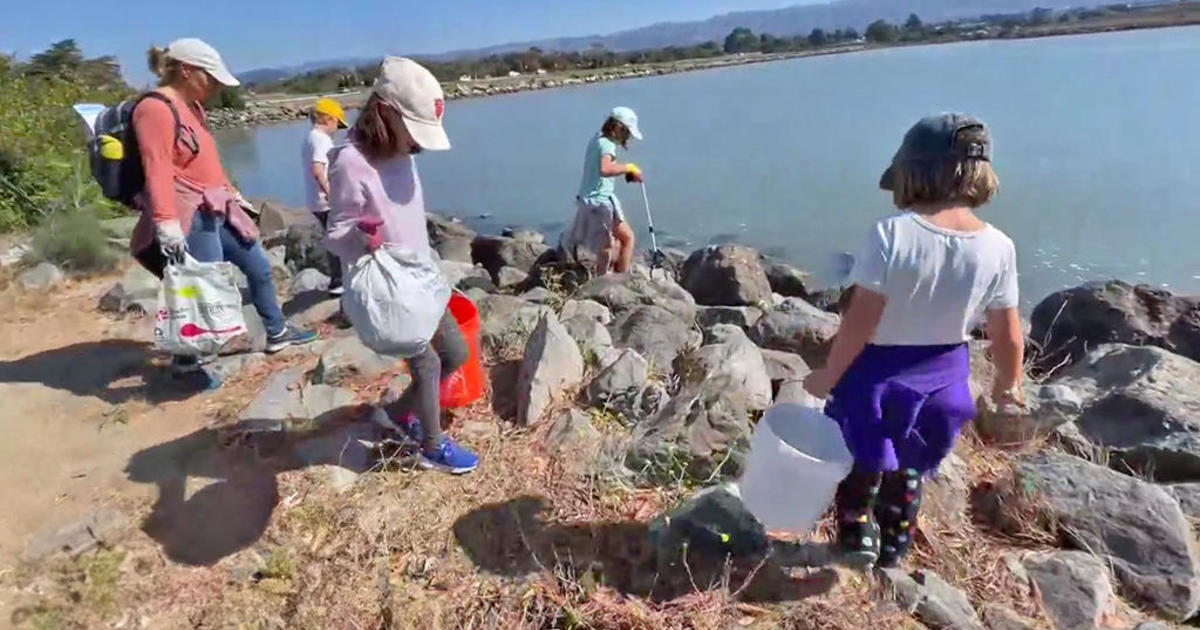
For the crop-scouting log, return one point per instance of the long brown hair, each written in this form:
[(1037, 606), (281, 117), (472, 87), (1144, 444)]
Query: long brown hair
[(616, 131), (379, 132)]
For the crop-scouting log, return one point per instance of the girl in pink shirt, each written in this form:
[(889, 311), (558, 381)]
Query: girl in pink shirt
[(375, 197)]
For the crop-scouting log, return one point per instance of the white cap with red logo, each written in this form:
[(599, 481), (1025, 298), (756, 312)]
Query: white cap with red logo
[(416, 93)]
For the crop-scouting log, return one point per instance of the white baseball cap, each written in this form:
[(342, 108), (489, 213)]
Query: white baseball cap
[(195, 52), (417, 94), (627, 117)]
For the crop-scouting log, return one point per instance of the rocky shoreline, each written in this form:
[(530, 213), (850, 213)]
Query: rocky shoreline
[(266, 112), (655, 376)]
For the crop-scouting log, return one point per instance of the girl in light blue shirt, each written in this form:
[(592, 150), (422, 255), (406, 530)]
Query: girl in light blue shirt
[(599, 222)]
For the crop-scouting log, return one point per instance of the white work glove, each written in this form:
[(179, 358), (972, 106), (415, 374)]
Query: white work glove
[(171, 238)]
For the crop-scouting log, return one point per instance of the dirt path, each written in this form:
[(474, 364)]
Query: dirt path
[(81, 393)]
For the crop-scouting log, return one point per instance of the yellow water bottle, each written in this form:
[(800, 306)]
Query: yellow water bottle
[(111, 148)]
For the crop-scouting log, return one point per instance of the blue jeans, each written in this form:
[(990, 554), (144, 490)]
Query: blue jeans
[(210, 240)]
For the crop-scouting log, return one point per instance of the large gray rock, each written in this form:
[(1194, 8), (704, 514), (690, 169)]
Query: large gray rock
[(734, 356), (275, 219), (619, 386), (1136, 526), (702, 424), (714, 524), (588, 333), (101, 526), (1073, 587), (1047, 407), (303, 249), (465, 276), (136, 292), (798, 327), (497, 252), (509, 277), (346, 359), (571, 433), (931, 600), (588, 308), (624, 292), (1069, 323), (655, 333), (1142, 404), (552, 365), (784, 366), (726, 275), (309, 280), (507, 321), (998, 617), (281, 274), (43, 277), (450, 239), (744, 317), (1188, 495), (946, 494), (786, 280), (287, 402), (523, 234)]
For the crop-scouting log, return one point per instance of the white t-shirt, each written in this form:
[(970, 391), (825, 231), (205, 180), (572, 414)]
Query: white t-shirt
[(317, 145), (939, 283)]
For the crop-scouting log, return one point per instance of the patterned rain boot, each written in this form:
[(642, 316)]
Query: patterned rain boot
[(899, 503), (858, 534)]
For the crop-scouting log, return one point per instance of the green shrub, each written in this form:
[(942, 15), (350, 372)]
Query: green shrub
[(73, 239), (41, 138)]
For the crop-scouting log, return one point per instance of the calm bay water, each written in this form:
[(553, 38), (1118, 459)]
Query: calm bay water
[(1096, 143)]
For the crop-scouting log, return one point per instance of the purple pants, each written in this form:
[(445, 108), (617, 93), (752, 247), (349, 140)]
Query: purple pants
[(902, 407)]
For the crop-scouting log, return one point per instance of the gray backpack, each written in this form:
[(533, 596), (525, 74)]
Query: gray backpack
[(113, 153)]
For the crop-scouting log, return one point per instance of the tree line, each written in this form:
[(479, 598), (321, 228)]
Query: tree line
[(740, 40)]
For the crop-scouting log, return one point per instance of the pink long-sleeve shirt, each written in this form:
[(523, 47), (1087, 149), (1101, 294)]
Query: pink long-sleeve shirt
[(388, 191)]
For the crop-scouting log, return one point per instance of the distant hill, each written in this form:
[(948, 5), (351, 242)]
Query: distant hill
[(788, 21)]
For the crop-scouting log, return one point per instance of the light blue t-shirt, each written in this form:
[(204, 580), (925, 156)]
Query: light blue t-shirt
[(594, 187)]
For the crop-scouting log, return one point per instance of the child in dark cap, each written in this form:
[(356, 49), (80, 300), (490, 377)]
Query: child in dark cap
[(897, 374)]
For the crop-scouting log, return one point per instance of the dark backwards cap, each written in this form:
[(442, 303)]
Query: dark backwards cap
[(935, 139)]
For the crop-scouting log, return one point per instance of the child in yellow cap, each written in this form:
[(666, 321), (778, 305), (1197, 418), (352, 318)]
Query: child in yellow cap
[(327, 118)]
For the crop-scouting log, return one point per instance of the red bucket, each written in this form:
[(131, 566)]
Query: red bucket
[(467, 384)]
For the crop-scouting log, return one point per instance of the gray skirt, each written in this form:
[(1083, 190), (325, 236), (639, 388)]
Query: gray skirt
[(594, 224)]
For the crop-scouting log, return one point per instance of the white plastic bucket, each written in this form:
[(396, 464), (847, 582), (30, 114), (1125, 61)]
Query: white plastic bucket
[(797, 459)]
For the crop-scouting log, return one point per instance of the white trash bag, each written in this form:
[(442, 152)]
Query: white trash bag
[(395, 299), (199, 308), (797, 459)]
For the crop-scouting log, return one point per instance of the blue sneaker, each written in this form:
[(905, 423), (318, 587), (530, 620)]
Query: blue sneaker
[(291, 336), (408, 426), (449, 457)]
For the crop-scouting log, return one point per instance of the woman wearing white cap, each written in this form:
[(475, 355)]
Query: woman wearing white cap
[(375, 197), (188, 204), (599, 222)]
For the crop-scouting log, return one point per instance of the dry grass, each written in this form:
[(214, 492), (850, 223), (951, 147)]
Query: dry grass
[(523, 543)]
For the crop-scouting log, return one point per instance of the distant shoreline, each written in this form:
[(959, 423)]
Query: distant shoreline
[(274, 109)]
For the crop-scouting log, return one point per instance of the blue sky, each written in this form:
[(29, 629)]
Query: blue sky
[(253, 34)]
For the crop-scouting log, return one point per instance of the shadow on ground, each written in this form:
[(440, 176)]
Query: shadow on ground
[(113, 370), (241, 462), (512, 539)]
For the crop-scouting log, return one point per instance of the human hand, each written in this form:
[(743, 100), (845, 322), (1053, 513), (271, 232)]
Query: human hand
[(171, 239), (372, 227), (1004, 394), (820, 382), (633, 174)]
